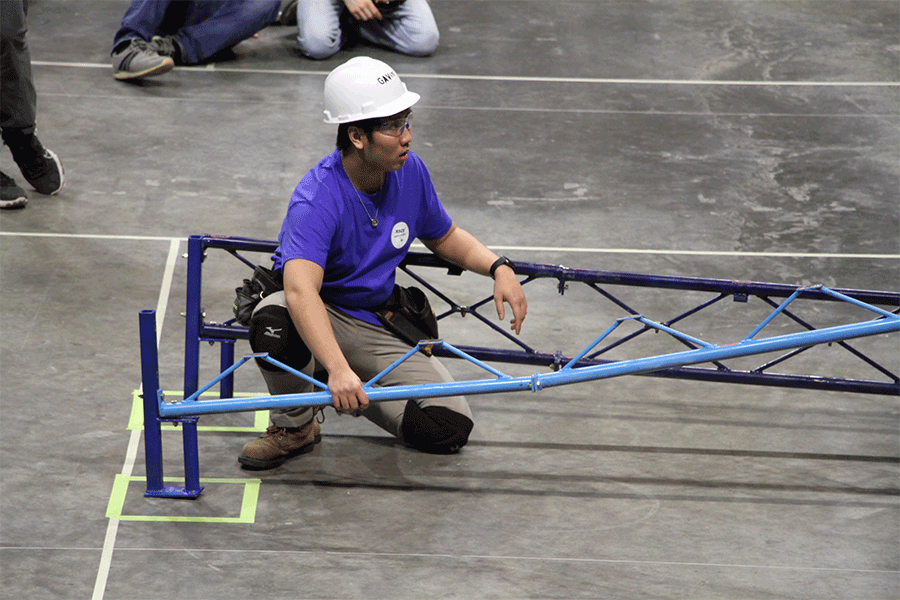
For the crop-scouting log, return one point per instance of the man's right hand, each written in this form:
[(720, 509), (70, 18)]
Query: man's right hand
[(363, 10), (346, 389), (302, 283)]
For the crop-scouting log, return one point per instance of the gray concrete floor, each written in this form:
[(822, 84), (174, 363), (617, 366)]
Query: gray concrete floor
[(629, 136)]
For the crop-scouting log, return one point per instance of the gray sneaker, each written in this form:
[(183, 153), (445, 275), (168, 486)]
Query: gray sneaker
[(167, 45), (139, 59), (11, 195)]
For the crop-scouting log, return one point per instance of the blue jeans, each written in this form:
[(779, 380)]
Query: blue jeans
[(408, 28), (201, 27)]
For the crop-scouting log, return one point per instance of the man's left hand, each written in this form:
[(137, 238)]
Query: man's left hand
[(508, 290)]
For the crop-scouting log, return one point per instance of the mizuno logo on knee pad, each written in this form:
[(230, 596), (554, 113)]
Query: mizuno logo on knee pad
[(273, 332)]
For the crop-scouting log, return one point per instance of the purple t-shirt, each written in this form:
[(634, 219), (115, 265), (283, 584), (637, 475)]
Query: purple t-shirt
[(327, 224)]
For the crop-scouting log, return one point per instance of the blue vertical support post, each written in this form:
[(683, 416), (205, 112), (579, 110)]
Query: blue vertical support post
[(226, 359), (150, 383), (193, 321), (193, 315), (153, 421), (189, 440)]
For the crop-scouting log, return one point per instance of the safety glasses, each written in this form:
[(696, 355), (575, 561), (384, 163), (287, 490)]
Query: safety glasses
[(395, 127)]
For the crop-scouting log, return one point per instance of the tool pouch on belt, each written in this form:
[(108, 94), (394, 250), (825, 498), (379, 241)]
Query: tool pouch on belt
[(409, 315), (263, 282)]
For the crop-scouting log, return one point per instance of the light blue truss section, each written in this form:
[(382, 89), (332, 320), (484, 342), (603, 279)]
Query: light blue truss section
[(884, 322)]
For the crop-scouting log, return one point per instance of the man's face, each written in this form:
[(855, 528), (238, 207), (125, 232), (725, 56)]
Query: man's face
[(388, 147)]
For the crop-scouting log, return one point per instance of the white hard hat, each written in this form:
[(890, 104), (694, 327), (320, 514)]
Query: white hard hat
[(365, 88)]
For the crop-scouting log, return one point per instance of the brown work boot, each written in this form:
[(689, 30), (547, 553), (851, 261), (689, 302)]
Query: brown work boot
[(278, 444)]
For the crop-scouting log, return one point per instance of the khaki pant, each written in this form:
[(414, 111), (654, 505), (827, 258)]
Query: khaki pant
[(369, 349)]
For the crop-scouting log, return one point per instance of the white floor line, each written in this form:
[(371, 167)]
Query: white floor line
[(500, 557), (696, 252), (88, 236), (112, 529), (563, 249), (650, 112), (523, 79)]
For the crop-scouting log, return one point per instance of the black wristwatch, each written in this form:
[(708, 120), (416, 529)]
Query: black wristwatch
[(499, 263)]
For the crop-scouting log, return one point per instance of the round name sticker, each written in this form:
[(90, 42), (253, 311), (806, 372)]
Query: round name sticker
[(400, 235)]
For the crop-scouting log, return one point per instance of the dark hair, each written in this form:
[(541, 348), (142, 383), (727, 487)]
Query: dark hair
[(343, 134)]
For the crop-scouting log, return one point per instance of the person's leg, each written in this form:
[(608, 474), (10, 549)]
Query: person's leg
[(293, 431), (211, 26), (18, 102), (142, 20), (319, 34), (18, 111), (408, 28), (438, 425)]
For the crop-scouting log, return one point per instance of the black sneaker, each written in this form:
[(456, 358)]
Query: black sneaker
[(11, 195), (288, 14), (40, 166)]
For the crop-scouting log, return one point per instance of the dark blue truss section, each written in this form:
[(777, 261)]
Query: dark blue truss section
[(603, 282)]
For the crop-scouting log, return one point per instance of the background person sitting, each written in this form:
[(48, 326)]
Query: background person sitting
[(326, 26), (156, 35)]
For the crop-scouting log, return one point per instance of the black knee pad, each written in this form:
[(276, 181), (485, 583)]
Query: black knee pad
[(272, 331), (435, 429)]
